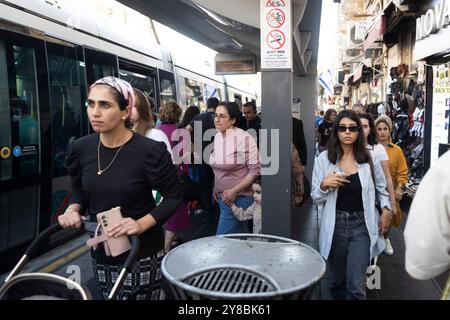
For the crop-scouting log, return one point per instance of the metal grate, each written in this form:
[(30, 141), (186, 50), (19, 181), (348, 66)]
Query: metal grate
[(230, 280)]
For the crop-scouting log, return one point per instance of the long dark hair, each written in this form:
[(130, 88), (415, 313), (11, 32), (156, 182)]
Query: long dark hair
[(335, 150), (327, 115), (189, 114), (372, 138)]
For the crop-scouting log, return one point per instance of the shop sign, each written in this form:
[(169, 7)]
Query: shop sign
[(433, 20)]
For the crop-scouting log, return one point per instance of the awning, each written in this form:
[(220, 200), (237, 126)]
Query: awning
[(376, 32), (357, 74)]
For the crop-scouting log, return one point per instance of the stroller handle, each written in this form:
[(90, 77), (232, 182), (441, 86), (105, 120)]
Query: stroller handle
[(36, 246), (134, 252)]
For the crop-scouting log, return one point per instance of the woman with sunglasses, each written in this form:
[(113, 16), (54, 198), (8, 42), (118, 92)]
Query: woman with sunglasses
[(116, 167), (236, 163), (398, 169), (346, 181)]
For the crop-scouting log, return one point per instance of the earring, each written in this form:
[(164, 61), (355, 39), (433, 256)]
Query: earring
[(123, 118)]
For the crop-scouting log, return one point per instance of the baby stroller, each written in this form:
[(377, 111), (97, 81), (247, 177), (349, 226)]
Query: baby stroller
[(44, 286)]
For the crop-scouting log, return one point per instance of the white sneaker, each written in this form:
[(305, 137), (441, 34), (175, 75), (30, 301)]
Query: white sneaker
[(388, 250)]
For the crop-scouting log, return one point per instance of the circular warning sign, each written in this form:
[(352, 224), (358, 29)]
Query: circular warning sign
[(275, 3), (275, 18), (5, 153), (276, 39)]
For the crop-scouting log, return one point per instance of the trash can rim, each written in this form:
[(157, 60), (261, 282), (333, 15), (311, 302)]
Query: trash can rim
[(177, 282), (235, 236)]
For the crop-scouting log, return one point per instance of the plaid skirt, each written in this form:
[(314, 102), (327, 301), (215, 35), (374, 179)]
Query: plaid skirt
[(143, 282)]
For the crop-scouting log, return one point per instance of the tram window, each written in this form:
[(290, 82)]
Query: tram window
[(19, 121), (99, 65), (142, 82), (167, 86), (238, 99), (67, 81), (193, 92)]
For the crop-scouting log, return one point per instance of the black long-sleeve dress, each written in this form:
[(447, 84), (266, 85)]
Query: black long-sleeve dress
[(142, 165)]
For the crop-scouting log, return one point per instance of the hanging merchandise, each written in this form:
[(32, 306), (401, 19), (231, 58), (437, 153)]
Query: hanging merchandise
[(441, 94)]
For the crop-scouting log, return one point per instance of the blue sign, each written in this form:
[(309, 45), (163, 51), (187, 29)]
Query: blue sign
[(17, 151)]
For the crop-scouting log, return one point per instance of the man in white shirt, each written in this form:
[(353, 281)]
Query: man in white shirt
[(427, 231)]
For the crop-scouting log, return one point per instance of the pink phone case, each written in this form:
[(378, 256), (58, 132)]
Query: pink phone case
[(118, 245)]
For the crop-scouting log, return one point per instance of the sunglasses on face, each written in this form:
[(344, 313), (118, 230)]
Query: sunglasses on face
[(350, 128)]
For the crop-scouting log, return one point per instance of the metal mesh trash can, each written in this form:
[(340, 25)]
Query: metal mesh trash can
[(243, 266)]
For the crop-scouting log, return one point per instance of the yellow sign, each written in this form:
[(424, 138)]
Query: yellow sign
[(5, 153)]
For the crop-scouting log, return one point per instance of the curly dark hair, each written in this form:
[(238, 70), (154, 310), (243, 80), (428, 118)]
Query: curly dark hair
[(335, 150), (170, 112)]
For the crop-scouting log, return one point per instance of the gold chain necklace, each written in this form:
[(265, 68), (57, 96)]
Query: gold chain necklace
[(99, 172)]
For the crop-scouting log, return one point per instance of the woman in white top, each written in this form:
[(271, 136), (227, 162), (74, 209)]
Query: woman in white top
[(378, 152), (142, 119), (346, 180)]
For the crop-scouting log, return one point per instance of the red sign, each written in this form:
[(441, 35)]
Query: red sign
[(275, 3), (275, 18), (276, 39)]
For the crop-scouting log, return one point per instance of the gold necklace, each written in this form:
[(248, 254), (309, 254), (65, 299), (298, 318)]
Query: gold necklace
[(99, 172)]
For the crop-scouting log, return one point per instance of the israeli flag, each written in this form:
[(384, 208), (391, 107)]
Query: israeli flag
[(326, 81)]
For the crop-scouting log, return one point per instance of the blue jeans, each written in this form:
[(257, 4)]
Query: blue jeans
[(227, 222), (349, 256)]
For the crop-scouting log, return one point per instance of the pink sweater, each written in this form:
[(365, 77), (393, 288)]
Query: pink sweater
[(235, 156)]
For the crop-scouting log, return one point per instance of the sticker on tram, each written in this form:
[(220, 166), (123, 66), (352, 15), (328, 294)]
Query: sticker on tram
[(5, 153), (17, 151), (30, 150)]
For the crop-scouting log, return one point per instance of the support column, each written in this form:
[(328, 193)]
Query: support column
[(276, 94)]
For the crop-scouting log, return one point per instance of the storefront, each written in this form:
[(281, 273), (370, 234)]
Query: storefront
[(432, 47)]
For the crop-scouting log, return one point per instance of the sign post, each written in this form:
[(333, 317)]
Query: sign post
[(276, 35), (276, 99)]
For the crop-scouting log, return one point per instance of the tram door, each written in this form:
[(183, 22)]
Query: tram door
[(67, 80), (25, 171), (140, 77)]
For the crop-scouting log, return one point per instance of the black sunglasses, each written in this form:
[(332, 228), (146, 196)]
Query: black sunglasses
[(350, 128)]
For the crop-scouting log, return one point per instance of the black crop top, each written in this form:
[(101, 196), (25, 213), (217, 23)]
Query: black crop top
[(350, 195)]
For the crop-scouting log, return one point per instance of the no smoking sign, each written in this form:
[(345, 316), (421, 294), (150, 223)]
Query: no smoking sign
[(275, 18), (276, 39)]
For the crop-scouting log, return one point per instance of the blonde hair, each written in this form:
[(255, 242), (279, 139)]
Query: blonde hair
[(385, 119)]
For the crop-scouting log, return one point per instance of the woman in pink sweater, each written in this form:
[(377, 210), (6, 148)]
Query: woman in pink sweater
[(236, 163)]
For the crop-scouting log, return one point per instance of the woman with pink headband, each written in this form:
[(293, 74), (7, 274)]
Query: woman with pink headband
[(116, 167)]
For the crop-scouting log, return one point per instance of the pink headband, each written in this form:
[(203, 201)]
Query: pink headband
[(122, 86)]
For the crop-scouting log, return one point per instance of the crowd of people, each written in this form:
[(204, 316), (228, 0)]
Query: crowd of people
[(148, 167), (154, 167)]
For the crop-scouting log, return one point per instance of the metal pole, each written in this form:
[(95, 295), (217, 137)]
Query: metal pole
[(276, 89)]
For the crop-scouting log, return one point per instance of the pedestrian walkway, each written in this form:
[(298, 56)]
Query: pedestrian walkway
[(396, 284)]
